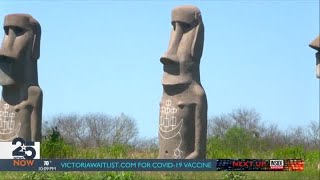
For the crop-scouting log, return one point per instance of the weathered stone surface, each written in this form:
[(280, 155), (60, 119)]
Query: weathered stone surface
[(315, 44), (183, 108), (21, 102)]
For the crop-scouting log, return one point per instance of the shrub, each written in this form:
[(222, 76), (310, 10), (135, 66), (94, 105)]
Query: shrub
[(53, 146), (291, 152)]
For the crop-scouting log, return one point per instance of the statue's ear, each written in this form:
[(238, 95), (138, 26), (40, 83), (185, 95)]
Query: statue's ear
[(36, 39), (197, 44), (36, 47)]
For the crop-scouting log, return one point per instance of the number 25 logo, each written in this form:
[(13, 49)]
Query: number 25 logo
[(23, 148)]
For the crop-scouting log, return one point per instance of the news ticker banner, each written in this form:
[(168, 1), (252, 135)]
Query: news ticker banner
[(21, 155), (150, 165)]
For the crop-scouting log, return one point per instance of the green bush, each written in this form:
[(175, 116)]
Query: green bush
[(118, 151), (53, 146), (236, 143), (109, 152), (217, 150), (239, 141), (291, 152), (312, 156)]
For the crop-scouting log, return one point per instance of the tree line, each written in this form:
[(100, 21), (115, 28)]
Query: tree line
[(249, 125), (243, 127)]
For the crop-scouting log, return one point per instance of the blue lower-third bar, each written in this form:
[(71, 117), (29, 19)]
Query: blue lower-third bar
[(107, 165)]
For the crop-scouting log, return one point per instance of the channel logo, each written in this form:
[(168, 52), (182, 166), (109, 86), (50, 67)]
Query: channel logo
[(23, 150), (276, 164), (20, 149)]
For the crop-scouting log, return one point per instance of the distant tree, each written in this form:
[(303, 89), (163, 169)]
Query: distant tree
[(124, 130), (100, 128), (72, 128), (313, 135), (248, 119), (298, 136), (273, 138), (46, 128), (218, 125), (244, 126), (95, 129)]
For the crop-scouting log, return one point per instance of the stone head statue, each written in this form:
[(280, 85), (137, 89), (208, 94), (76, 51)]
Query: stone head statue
[(182, 59), (20, 50), (315, 44), (183, 107), (21, 103)]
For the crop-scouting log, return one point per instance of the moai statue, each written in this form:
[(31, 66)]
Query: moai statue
[(21, 101), (183, 108), (315, 44)]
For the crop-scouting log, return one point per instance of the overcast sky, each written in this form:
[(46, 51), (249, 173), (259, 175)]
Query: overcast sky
[(103, 56)]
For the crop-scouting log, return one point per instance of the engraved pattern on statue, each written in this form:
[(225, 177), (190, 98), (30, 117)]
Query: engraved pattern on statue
[(7, 124), (168, 123)]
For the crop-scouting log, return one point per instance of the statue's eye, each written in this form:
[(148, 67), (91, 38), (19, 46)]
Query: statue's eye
[(17, 30), (174, 26), (6, 30), (185, 26)]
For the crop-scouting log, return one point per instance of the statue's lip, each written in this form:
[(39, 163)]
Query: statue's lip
[(6, 59), (171, 66)]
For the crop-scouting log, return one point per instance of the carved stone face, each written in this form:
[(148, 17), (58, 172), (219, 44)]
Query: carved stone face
[(181, 61), (20, 48)]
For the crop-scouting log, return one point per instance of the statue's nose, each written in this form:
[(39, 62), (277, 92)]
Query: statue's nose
[(8, 42), (167, 59), (175, 39)]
